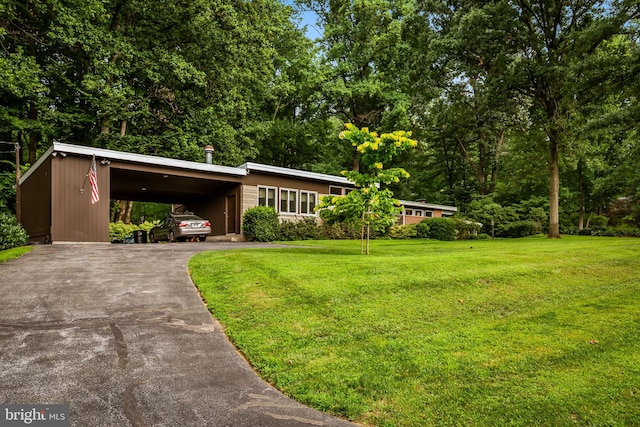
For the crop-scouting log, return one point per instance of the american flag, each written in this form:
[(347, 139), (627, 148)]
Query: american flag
[(93, 180)]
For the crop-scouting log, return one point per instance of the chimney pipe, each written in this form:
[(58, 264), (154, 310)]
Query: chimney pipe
[(208, 154)]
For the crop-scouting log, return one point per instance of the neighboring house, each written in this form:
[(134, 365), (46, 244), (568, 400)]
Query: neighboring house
[(56, 194), (414, 212)]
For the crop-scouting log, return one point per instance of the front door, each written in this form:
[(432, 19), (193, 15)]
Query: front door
[(231, 214)]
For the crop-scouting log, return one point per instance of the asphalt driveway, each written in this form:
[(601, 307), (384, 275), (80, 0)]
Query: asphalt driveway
[(120, 333)]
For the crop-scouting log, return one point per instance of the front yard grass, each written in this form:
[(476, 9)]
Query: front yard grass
[(521, 332), (7, 254)]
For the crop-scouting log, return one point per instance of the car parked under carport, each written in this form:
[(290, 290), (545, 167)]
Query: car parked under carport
[(179, 226)]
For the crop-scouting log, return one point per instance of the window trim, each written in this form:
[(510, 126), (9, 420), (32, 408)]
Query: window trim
[(310, 212), (276, 194), (289, 191), (335, 187)]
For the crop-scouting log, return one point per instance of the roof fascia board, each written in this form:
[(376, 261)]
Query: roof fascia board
[(134, 158), (249, 166), (37, 164), (410, 204)]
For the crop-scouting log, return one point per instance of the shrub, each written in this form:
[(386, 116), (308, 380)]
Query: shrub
[(11, 233), (569, 229), (598, 222), (261, 224), (519, 229), (119, 231), (422, 229), (480, 236), (304, 229), (589, 232), (441, 228), (407, 231), (339, 231), (466, 229)]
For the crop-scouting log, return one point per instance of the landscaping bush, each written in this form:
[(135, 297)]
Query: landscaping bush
[(422, 229), (589, 232), (466, 229), (407, 231), (261, 224), (480, 236), (11, 233), (304, 229), (119, 231), (598, 222), (519, 229), (339, 231), (569, 229), (441, 228)]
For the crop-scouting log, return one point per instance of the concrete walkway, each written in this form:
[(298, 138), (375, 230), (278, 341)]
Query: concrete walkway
[(120, 333)]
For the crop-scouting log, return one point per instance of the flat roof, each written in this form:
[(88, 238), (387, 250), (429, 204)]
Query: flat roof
[(423, 205), (102, 153), (276, 170)]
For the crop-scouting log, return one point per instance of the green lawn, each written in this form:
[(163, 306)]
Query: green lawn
[(520, 332), (13, 253)]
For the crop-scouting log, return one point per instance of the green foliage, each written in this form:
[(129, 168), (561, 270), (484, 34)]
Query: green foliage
[(7, 189), (403, 337), (490, 214), (466, 229), (119, 231), (422, 229), (369, 206), (11, 233), (261, 224), (408, 231), (304, 229), (8, 254), (339, 231), (441, 228), (598, 221), (149, 212), (519, 229)]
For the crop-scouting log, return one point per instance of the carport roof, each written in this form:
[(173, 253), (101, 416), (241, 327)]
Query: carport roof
[(143, 159), (102, 153)]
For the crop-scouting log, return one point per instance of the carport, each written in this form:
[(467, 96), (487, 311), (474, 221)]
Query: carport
[(56, 195)]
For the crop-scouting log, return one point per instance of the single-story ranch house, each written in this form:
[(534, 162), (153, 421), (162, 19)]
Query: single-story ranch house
[(57, 206)]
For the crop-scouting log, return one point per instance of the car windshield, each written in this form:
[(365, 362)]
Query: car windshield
[(187, 218)]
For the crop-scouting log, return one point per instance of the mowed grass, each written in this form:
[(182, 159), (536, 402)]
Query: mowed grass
[(523, 332), (7, 254)]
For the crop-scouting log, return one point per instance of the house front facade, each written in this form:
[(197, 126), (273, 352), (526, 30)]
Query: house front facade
[(57, 205)]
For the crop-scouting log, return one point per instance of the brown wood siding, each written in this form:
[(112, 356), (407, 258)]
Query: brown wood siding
[(257, 178), (36, 203), (213, 208), (74, 217)]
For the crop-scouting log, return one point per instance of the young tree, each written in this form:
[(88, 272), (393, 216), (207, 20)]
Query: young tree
[(370, 206)]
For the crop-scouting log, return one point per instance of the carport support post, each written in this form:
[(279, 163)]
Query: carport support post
[(18, 201)]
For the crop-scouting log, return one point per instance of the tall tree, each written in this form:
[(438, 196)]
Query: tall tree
[(365, 60), (536, 45)]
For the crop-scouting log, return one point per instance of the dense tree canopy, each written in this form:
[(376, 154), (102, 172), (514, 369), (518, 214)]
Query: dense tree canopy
[(510, 101)]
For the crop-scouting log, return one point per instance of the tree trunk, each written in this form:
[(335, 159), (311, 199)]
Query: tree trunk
[(496, 160), (127, 214), (554, 187)]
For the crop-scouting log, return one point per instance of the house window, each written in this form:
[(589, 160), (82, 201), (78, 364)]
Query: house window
[(288, 201), (308, 202), (267, 196), (336, 191), (428, 214), (417, 213), (408, 212)]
